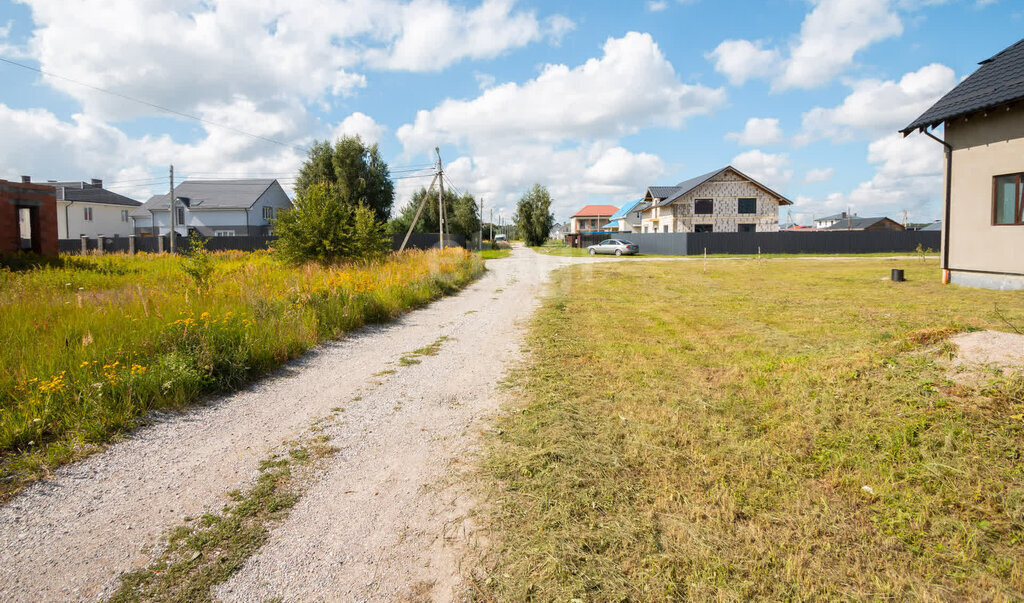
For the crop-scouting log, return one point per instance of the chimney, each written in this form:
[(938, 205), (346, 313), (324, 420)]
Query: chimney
[(26, 179), (97, 183)]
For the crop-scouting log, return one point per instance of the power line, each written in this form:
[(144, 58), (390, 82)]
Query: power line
[(155, 106)]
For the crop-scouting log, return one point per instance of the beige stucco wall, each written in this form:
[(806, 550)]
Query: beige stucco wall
[(984, 147)]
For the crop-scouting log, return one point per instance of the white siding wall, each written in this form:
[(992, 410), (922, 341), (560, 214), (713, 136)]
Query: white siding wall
[(106, 220), (273, 197)]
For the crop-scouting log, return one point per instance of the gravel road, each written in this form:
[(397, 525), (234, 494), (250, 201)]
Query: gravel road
[(384, 521)]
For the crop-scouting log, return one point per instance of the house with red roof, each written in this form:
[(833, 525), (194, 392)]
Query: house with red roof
[(591, 218)]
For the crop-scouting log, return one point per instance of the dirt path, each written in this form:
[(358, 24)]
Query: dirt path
[(373, 527)]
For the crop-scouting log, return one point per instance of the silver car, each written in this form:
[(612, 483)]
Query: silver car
[(616, 246)]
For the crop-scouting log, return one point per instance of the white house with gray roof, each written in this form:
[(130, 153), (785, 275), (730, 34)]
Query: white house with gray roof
[(725, 200), (86, 208), (215, 208)]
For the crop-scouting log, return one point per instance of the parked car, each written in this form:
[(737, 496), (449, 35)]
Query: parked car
[(616, 246), (498, 238)]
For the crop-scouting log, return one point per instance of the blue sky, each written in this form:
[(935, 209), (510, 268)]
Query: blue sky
[(596, 100)]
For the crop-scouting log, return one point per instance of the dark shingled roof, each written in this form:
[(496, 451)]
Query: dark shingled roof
[(999, 80), (855, 223), (211, 194), (660, 192), (83, 192)]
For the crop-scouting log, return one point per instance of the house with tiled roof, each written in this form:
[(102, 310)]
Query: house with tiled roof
[(983, 207), (725, 200), (590, 218)]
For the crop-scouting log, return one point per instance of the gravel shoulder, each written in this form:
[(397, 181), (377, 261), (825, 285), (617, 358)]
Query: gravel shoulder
[(382, 522)]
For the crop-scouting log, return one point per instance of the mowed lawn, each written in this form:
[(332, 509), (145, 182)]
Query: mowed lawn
[(769, 429)]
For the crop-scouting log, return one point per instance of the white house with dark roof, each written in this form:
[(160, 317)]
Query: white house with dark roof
[(86, 208), (215, 208), (983, 209), (725, 200)]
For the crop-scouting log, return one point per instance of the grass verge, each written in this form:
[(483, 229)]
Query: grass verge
[(494, 254), (759, 431), (94, 343), (207, 551)]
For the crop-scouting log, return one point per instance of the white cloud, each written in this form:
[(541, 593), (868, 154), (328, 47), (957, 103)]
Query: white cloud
[(908, 176), (432, 34), (656, 6), (91, 148), (769, 168), (631, 87), (262, 49), (562, 127), (758, 131), (741, 60), (876, 107), (557, 27), (830, 37), (819, 175), (362, 125)]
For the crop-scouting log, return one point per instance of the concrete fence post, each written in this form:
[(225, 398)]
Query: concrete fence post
[(85, 244), (99, 243), (131, 244), (160, 243)]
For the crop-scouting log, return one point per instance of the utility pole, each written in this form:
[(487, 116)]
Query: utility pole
[(480, 230), (172, 209), (416, 219), (492, 224), (440, 197)]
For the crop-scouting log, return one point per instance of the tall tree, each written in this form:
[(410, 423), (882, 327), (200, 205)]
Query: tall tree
[(533, 215), (462, 213), (355, 168), (324, 226)]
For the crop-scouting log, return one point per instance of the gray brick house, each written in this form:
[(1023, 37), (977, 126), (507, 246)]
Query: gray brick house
[(725, 200)]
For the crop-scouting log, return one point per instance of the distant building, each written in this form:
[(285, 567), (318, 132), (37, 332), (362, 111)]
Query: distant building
[(830, 220), (725, 200), (28, 217), (558, 231), (86, 208), (983, 210), (215, 208), (856, 223), (591, 218), (627, 219)]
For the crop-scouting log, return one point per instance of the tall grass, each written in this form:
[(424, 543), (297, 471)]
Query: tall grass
[(766, 430), (90, 346)]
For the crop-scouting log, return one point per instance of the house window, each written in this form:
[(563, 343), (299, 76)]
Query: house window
[(124, 215), (748, 206), (703, 206), (87, 213), (223, 233), (1007, 205), (665, 228), (181, 215), (703, 228), (268, 212), (747, 228)]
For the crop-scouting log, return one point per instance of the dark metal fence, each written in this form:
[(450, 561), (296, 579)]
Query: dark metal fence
[(774, 242), (235, 243)]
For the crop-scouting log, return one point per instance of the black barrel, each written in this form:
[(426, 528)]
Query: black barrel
[(897, 275)]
